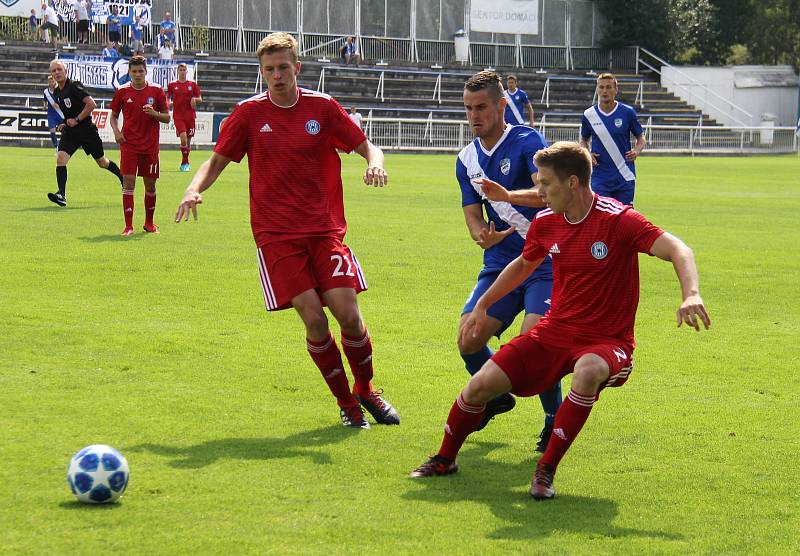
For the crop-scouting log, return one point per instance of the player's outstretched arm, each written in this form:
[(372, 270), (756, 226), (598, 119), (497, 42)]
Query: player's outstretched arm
[(669, 248), (204, 178), (511, 277), (522, 197), (375, 174)]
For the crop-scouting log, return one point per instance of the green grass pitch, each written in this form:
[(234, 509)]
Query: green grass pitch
[(160, 346)]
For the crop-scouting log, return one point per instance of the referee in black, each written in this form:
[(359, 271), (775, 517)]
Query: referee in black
[(77, 131)]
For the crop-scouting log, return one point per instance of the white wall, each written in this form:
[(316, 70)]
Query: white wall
[(755, 90)]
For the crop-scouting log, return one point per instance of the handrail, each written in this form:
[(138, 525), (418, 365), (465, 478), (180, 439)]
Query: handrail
[(437, 89), (321, 84), (379, 92), (705, 88)]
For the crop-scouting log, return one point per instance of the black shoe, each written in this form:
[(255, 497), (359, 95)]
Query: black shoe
[(501, 404), (544, 438), (353, 417), (58, 199), (435, 466), (381, 410)]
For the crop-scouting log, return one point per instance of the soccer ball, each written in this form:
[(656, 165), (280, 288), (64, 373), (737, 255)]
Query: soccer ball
[(98, 474)]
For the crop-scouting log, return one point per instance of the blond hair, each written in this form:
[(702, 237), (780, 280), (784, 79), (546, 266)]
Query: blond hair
[(566, 159), (275, 42), (607, 76)]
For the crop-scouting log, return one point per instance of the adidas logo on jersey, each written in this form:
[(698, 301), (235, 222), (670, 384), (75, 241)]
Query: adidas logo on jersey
[(265, 128), (130, 100), (555, 249)]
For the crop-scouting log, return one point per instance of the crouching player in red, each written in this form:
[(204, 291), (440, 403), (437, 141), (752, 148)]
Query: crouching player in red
[(184, 95), (291, 136), (594, 243), (144, 107)]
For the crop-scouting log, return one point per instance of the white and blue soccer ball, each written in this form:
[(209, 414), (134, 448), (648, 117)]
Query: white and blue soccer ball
[(98, 474)]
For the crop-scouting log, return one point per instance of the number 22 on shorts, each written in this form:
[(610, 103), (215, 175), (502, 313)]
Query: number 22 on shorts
[(341, 260)]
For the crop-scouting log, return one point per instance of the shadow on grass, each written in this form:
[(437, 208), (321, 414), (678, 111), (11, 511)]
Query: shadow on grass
[(306, 444), (113, 237), (55, 208), (76, 505), (497, 484)]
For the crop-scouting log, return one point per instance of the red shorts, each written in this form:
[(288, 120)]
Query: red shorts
[(533, 366), (290, 267), (138, 164), (184, 125)]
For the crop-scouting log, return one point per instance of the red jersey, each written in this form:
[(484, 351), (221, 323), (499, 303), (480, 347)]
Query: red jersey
[(295, 170), (141, 131), (595, 271), (181, 95)]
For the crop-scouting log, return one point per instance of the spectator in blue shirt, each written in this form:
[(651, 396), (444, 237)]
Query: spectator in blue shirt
[(114, 26), (168, 27), (33, 23), (110, 50)]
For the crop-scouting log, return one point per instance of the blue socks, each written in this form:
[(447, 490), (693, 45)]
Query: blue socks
[(551, 400), (474, 361)]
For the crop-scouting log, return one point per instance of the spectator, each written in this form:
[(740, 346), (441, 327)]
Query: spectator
[(166, 51), (114, 26), (136, 46), (82, 17), (33, 24), (110, 51), (142, 11), (355, 116), (349, 52), (50, 24), (167, 31)]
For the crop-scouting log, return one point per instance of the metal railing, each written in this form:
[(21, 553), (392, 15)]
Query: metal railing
[(431, 135), (742, 117)]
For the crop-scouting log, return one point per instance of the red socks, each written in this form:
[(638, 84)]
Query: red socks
[(185, 154), (462, 421), (127, 207), (329, 361), (359, 354), (149, 208), (571, 416)]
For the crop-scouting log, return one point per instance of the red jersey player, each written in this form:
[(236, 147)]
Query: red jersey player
[(291, 136), (184, 95), (143, 105), (594, 243)]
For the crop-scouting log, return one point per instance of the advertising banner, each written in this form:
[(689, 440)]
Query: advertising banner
[(128, 10), (28, 122), (20, 8), (111, 73), (505, 16)]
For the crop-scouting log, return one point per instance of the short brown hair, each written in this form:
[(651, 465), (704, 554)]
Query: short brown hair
[(182, 65), (566, 159), (137, 61), (485, 80), (275, 42), (607, 76), (511, 76)]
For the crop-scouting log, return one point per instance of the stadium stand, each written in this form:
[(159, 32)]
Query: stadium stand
[(400, 90)]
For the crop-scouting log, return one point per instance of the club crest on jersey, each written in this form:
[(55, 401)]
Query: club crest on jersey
[(68, 102), (312, 127), (190, 87), (505, 166), (618, 122), (599, 250), (151, 100)]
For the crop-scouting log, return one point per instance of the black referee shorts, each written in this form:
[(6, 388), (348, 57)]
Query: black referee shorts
[(82, 137)]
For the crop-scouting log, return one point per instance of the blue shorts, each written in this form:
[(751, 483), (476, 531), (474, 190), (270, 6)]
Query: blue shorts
[(532, 296), (53, 121), (619, 189)]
